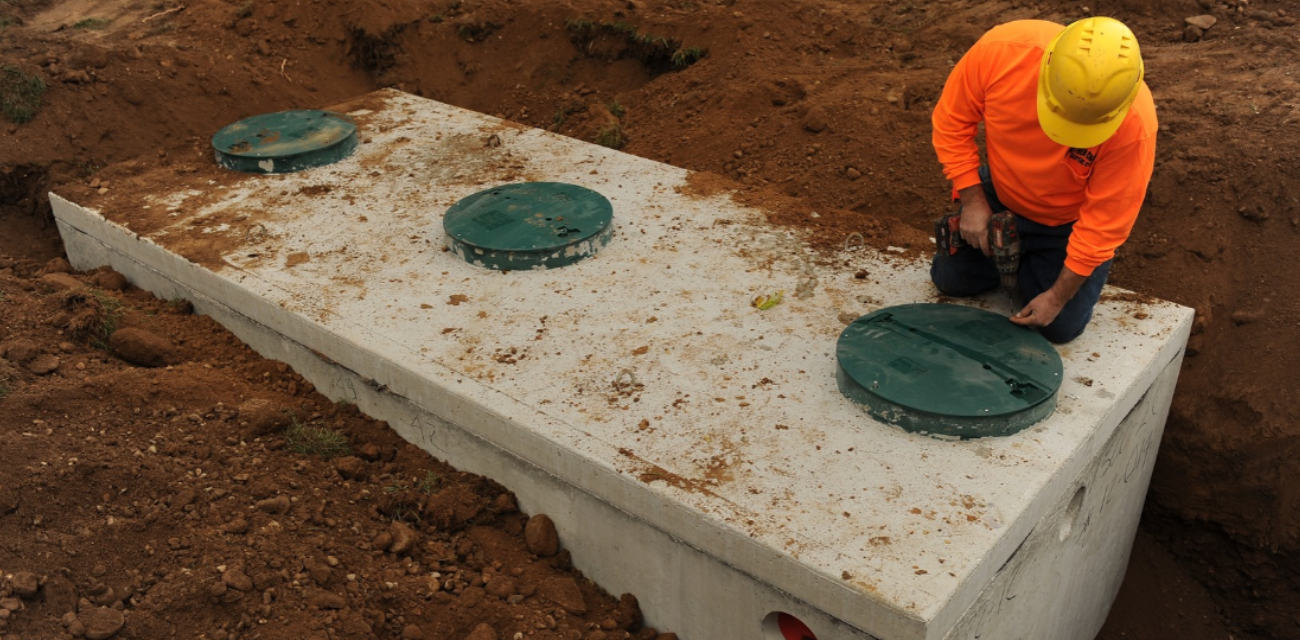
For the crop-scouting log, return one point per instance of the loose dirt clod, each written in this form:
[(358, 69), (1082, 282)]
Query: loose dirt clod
[(541, 536)]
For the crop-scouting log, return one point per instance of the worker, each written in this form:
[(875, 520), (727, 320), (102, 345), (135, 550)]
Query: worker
[(1070, 135)]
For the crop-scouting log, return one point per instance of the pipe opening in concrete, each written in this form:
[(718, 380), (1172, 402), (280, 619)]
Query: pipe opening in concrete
[(779, 625), (1072, 513)]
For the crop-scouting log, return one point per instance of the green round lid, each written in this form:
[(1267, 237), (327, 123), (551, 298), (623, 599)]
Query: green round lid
[(529, 225), (285, 142), (947, 370)]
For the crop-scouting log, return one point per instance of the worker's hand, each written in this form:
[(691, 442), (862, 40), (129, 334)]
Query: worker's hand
[(1040, 311), (975, 215)]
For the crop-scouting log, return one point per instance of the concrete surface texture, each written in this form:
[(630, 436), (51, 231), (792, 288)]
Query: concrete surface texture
[(643, 380)]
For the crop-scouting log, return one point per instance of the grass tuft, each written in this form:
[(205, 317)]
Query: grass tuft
[(91, 23), (611, 136), (683, 58), (616, 108), (20, 94), (429, 483), (315, 441), (245, 10)]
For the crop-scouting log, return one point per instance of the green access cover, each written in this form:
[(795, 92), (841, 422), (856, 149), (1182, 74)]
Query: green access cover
[(529, 225), (946, 370), (285, 142)]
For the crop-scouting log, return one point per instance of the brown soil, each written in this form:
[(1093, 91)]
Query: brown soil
[(817, 109)]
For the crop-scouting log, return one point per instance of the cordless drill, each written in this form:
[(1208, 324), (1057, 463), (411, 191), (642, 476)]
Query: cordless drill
[(1004, 240)]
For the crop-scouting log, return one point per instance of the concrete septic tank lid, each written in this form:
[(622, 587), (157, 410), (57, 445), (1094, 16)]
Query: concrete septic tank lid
[(945, 370), (529, 225), (285, 142)]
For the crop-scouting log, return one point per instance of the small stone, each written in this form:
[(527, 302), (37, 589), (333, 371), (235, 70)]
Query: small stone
[(236, 579), (109, 280), (25, 584), (101, 623), (540, 536), (142, 348), (815, 120), (563, 591), (77, 629), (382, 541), (853, 173), (320, 574), (57, 265), (1192, 34), (276, 505), (483, 631), (501, 586), (11, 604), (351, 468), (327, 600), (1242, 317), (412, 632), (260, 417), (60, 281), (43, 364), (403, 537), (1202, 22), (236, 526), (369, 452)]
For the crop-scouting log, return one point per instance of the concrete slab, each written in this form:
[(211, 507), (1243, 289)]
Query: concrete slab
[(691, 448)]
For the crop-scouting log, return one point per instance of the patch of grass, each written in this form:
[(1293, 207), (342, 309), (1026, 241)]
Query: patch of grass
[(90, 23), (560, 116), (4, 387), (245, 10), (20, 94), (659, 52), (6, 21), (616, 108), (112, 311), (611, 136), (315, 441), (429, 483), (683, 58)]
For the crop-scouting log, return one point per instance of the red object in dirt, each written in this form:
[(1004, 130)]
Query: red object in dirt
[(793, 628)]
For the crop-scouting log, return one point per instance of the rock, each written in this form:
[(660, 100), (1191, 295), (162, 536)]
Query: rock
[(61, 281), (238, 525), (259, 417), (563, 591), (105, 597), (412, 632), (540, 536), (25, 584), (382, 541), (109, 280), (483, 631), (666, 636), (1247, 316), (57, 265), (101, 622), (501, 586), (1192, 34), (76, 628), (816, 120), (11, 604), (320, 573), (43, 364), (327, 600), (629, 612), (236, 579), (20, 351), (369, 452), (1202, 22), (142, 348), (1260, 15), (403, 537), (276, 505), (351, 468), (853, 173), (60, 595)]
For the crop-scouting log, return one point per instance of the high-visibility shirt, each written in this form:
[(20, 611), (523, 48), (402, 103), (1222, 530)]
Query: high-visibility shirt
[(1100, 189)]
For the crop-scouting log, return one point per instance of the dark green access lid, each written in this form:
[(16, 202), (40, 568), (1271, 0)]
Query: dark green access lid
[(285, 142), (947, 370), (529, 225)]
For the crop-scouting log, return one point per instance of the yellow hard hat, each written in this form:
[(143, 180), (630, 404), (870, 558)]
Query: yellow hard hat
[(1088, 78)]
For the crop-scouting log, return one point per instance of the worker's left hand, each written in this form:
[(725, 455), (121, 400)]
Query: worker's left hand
[(1040, 311)]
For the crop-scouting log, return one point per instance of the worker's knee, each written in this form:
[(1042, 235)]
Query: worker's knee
[(962, 275), (1066, 327)]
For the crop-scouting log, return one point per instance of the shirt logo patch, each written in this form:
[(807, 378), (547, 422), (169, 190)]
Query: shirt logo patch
[(1083, 157)]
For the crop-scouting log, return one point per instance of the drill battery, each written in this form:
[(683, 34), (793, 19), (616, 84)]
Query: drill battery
[(1004, 242)]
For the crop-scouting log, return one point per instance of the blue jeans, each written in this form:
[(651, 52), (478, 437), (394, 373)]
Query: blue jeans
[(1042, 256)]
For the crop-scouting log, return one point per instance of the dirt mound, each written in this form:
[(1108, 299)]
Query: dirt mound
[(818, 111)]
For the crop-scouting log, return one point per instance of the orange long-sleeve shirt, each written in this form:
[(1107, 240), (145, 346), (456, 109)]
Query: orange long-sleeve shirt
[(1100, 189)]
